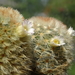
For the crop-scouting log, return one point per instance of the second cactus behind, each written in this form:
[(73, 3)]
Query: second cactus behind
[(53, 45)]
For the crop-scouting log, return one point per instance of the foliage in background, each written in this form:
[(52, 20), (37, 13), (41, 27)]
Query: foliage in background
[(63, 10), (29, 7), (60, 9)]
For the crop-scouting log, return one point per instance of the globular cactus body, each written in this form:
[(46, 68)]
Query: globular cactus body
[(14, 55), (53, 45), (49, 49)]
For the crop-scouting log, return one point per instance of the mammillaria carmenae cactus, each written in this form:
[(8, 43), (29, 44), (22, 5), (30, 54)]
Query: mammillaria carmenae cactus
[(49, 48), (53, 45), (15, 58)]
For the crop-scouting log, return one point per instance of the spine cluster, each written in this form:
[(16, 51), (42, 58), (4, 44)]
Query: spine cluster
[(15, 48), (53, 45), (38, 45)]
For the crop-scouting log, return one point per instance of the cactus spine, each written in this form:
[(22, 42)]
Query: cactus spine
[(53, 45), (48, 50), (15, 57)]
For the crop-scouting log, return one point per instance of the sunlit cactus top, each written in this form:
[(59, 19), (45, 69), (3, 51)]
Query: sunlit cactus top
[(8, 14), (53, 45)]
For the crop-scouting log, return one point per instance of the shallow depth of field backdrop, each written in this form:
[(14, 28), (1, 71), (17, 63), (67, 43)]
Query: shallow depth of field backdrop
[(63, 10)]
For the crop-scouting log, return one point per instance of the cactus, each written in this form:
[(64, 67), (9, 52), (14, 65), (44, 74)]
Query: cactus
[(47, 52), (15, 47), (53, 44)]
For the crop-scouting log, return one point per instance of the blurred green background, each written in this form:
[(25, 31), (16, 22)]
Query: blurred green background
[(63, 10)]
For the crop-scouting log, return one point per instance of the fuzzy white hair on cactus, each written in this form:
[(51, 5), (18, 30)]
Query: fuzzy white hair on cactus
[(57, 41), (25, 28), (71, 31)]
